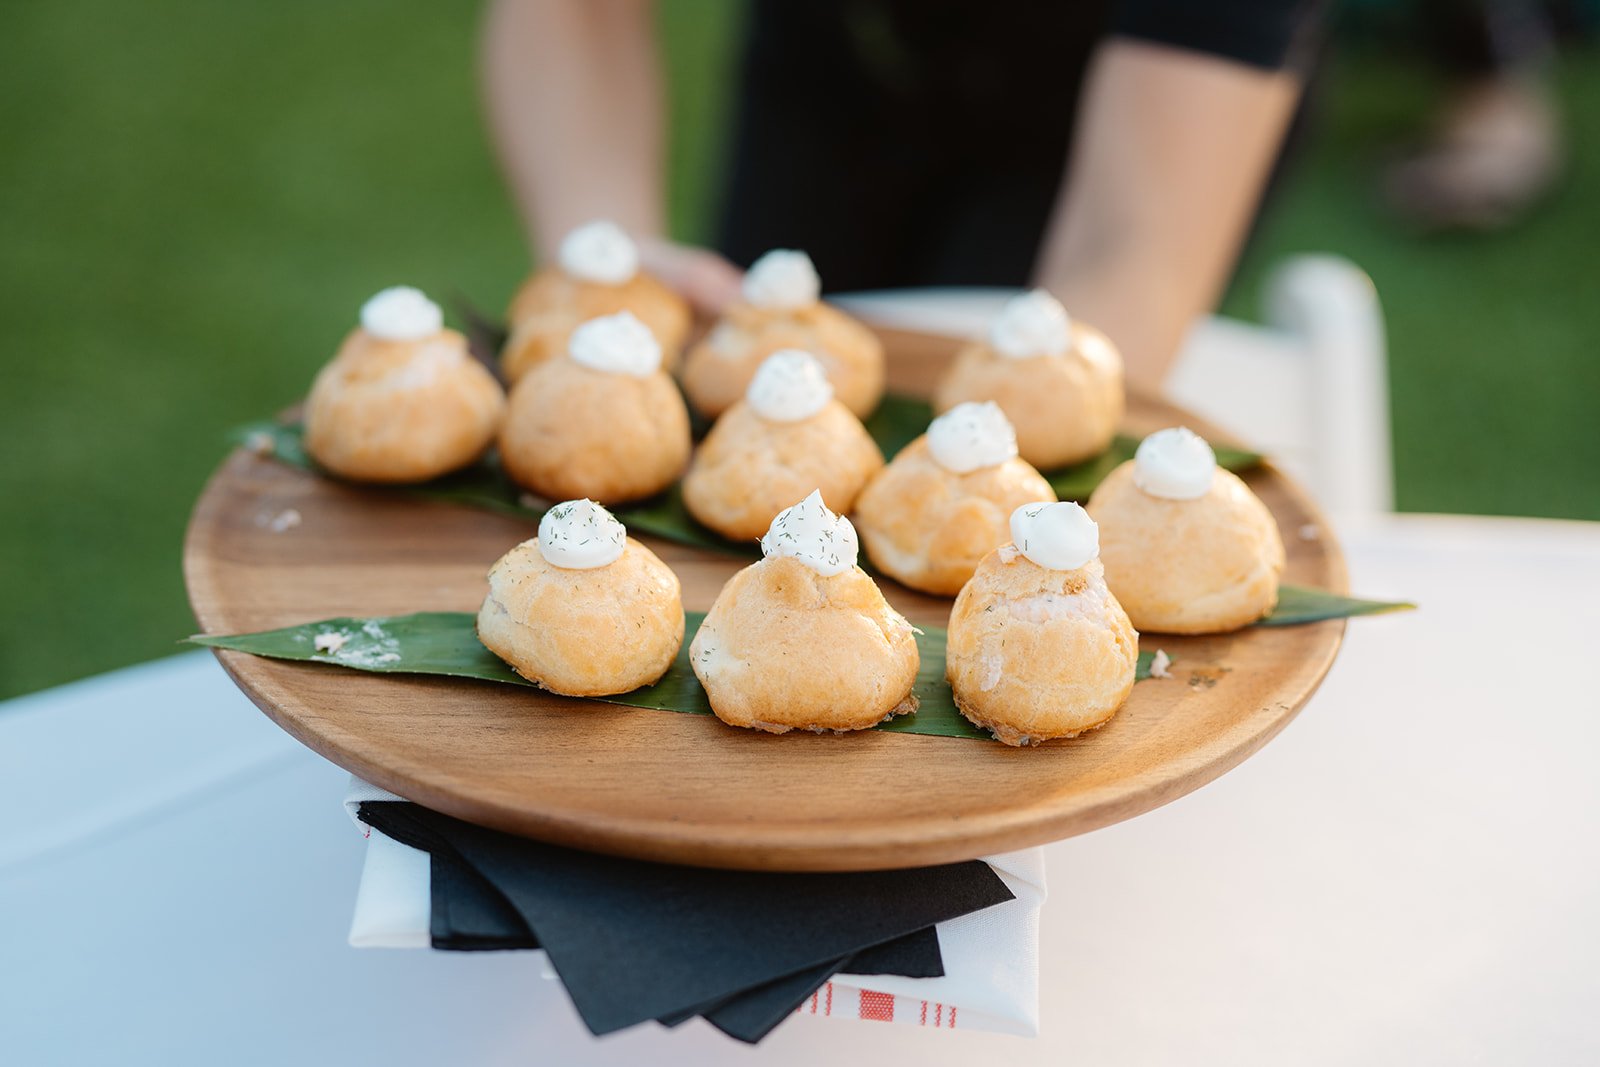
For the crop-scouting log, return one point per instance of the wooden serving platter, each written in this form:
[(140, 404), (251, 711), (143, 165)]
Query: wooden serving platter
[(685, 788)]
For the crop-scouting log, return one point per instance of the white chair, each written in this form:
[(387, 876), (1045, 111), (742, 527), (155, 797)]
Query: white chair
[(1309, 389)]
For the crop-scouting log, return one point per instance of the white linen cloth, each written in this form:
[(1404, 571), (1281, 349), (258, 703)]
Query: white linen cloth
[(991, 957)]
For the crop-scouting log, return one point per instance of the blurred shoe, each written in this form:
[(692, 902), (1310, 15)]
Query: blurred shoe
[(1495, 151)]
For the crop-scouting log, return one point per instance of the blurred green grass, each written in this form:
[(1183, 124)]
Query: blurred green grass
[(1494, 340), (196, 197)]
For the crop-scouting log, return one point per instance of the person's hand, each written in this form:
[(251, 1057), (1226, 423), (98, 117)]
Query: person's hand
[(705, 279)]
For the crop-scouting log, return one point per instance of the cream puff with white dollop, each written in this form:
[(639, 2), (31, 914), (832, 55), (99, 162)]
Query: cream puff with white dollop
[(1038, 647), (787, 437), (604, 421), (1189, 549), (583, 609), (945, 501), (1058, 380), (403, 400), (803, 639), (596, 273), (780, 307)]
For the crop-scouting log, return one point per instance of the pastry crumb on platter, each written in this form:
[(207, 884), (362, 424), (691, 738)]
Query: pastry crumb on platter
[(285, 520), (332, 641)]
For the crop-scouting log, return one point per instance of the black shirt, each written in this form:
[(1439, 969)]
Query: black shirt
[(922, 142)]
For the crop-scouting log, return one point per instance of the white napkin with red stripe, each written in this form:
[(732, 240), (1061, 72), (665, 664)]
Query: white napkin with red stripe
[(991, 957)]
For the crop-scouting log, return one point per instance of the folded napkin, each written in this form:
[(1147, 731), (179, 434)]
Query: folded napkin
[(635, 941)]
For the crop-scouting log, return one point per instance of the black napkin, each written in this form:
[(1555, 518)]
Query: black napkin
[(468, 914), (753, 1013), (634, 941)]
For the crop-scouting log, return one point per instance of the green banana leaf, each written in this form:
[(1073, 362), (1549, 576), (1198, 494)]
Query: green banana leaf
[(1300, 604), (900, 420), (1079, 480), (485, 485), (446, 643)]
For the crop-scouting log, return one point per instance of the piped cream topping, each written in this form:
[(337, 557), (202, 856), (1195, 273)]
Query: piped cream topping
[(1174, 464), (580, 535), (1058, 537), (401, 313), (789, 386), (1033, 324), (812, 534), (782, 280), (617, 344), (600, 251), (972, 436)]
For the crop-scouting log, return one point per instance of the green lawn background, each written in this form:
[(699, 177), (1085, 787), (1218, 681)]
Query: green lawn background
[(194, 199)]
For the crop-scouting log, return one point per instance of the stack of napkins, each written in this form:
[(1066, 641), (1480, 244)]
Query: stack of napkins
[(635, 941)]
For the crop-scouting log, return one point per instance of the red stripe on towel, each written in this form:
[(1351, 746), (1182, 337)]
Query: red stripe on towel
[(879, 1006)]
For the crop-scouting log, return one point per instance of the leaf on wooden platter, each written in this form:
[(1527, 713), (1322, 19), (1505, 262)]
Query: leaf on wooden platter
[(1078, 481), (486, 336), (667, 517), (485, 485), (1300, 604), (898, 421), (425, 642), (446, 643)]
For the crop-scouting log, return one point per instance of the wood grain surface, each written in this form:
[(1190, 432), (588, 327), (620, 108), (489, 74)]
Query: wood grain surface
[(685, 788)]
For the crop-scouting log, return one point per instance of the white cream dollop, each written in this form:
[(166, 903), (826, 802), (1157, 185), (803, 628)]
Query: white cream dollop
[(812, 534), (972, 436), (1058, 537), (782, 280), (401, 313), (580, 535), (1033, 324), (600, 251), (1174, 464), (618, 344), (790, 385)]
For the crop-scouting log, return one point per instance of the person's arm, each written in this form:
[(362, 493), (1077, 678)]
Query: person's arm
[(575, 97), (1172, 151)]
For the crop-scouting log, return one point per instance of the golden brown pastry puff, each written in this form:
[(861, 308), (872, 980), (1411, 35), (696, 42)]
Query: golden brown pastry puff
[(1058, 381), (1038, 647), (785, 438), (946, 500), (780, 309), (605, 422), (403, 401), (1189, 549), (583, 609), (597, 273), (803, 640)]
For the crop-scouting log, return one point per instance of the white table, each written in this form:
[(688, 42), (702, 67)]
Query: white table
[(1410, 874)]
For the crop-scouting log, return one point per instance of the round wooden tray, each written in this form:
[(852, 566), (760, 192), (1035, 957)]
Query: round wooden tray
[(685, 788)]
